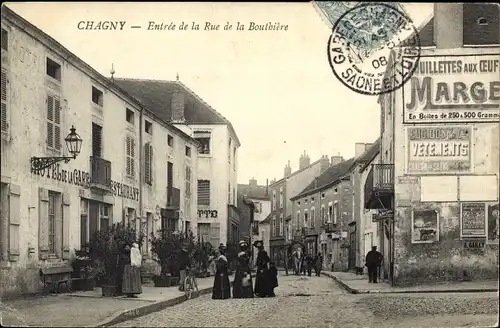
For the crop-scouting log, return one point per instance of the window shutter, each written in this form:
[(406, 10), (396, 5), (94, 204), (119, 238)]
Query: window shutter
[(146, 163), (124, 216), (132, 157), (14, 222), (150, 163), (66, 215), (50, 121), (128, 151), (4, 119), (57, 124), (43, 224)]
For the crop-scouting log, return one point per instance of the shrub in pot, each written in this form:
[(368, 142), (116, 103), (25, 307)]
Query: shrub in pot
[(200, 257), (104, 249)]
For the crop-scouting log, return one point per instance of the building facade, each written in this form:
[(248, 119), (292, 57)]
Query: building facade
[(436, 188), (46, 214), (218, 152), (281, 223), (259, 196), (322, 213)]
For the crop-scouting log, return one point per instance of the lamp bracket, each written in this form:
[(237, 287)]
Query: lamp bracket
[(41, 163)]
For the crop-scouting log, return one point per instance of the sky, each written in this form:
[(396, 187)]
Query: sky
[(276, 87)]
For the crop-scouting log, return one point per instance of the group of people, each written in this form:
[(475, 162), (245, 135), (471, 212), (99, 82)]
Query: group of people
[(266, 279), (308, 263), (129, 272)]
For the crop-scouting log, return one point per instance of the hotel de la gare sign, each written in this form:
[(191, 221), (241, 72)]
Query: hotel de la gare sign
[(82, 179)]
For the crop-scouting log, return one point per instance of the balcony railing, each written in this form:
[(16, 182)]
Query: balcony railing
[(331, 227), (379, 186), (173, 198), (100, 173)]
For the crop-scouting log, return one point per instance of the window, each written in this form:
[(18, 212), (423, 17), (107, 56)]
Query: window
[(5, 38), (97, 96), (323, 196), (313, 216), (229, 193), (130, 219), (335, 190), (323, 214), (335, 212), (281, 197), (148, 229), (84, 222), (282, 227), (330, 212), (480, 22), (148, 127), (229, 152), (130, 116), (53, 123), (274, 226), (305, 201), (234, 159), (298, 204), (104, 217), (306, 218), (274, 199), (203, 137), (258, 207), (297, 219), (52, 222), (130, 164), (148, 163), (188, 151), (312, 199), (203, 192), (96, 140), (188, 182), (170, 141), (4, 117), (53, 69)]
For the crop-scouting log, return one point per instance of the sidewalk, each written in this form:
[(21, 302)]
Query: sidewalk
[(90, 309), (359, 285)]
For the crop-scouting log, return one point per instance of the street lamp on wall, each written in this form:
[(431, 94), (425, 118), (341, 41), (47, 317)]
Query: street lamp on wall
[(74, 144)]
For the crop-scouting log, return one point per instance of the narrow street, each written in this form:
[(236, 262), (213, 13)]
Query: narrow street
[(320, 302)]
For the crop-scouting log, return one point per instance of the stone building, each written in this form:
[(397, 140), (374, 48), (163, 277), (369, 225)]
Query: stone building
[(48, 213), (436, 187), (259, 196), (281, 223), (218, 156)]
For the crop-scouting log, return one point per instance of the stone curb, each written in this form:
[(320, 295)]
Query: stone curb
[(130, 314), (357, 291)]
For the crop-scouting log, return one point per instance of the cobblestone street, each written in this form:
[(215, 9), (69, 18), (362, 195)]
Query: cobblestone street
[(319, 302)]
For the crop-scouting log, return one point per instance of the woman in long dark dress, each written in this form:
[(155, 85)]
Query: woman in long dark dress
[(222, 288), (262, 285), (131, 261), (242, 285)]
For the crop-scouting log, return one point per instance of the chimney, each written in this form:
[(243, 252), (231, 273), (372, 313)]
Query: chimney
[(288, 170), (177, 105), (324, 163), (304, 161), (336, 160), (368, 145), (359, 149), (253, 182), (267, 187)]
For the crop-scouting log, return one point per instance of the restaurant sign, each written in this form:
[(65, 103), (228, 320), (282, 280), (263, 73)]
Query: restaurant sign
[(451, 89), (82, 179), (437, 150)]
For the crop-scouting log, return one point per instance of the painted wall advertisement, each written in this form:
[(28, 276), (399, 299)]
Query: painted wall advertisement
[(473, 220), (424, 226), (452, 89), (437, 150), (493, 224)]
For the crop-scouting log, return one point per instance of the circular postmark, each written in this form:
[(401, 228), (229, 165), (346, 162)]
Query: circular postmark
[(374, 48)]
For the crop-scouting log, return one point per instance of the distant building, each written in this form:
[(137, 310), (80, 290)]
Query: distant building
[(281, 191), (217, 159), (259, 196)]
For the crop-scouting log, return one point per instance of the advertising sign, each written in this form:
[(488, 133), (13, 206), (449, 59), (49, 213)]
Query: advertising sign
[(452, 89), (493, 224), (425, 226), (437, 150), (473, 220)]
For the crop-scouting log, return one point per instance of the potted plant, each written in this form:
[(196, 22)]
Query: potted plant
[(82, 268), (104, 249), (162, 247), (200, 256)]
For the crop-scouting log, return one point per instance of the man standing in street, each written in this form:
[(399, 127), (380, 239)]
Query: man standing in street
[(373, 261)]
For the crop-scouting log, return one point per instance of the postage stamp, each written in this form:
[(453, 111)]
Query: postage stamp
[(361, 43)]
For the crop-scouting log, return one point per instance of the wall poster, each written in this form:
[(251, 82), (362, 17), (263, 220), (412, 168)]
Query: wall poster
[(424, 226), (492, 224), (472, 220)]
